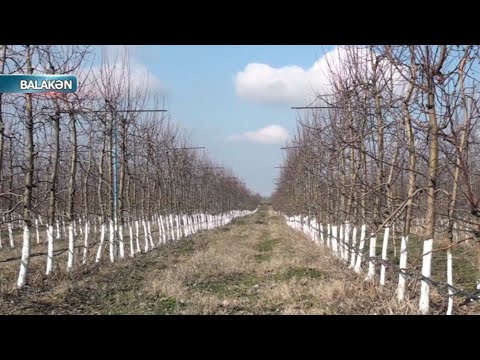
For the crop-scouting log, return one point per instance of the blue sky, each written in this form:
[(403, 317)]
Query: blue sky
[(224, 111)]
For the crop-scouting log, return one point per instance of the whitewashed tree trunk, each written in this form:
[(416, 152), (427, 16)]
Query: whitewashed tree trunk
[(424, 304), (10, 235), (450, 280), (27, 237), (371, 262), (329, 236), (145, 235), (353, 248), (189, 225), (358, 264), (65, 235), (100, 246), (170, 218), (334, 241), (346, 244), (112, 241), (150, 238), (314, 231), (85, 242), (384, 256), (402, 281), (71, 246), (186, 230), (341, 245), (194, 223), (159, 226), (164, 233), (120, 241), (59, 235), (322, 240), (49, 249), (394, 242), (183, 226), (137, 237), (167, 228), (37, 234), (130, 229)]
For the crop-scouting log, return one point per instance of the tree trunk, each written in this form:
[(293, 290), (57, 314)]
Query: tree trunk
[(52, 201), (71, 192), (27, 193)]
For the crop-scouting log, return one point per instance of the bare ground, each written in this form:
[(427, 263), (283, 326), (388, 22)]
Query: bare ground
[(255, 265)]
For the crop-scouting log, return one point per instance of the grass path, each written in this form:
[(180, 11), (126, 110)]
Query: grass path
[(255, 265)]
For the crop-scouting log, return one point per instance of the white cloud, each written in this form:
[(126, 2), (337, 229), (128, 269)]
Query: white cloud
[(140, 76), (293, 85), (272, 134), (288, 84)]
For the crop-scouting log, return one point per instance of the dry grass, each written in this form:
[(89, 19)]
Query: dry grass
[(256, 265)]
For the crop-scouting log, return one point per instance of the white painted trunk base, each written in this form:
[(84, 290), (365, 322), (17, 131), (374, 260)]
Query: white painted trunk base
[(130, 229), (37, 234), (322, 240), (329, 235), (10, 235), (49, 249), (100, 246), (120, 241), (346, 242), (383, 268), (371, 255), (150, 238), (27, 237), (450, 281), (59, 235), (353, 248), (112, 241), (137, 238), (424, 304), (145, 236), (402, 281), (71, 246), (334, 241), (358, 263), (85, 242)]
